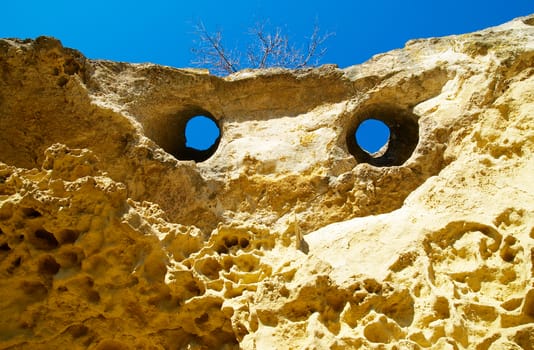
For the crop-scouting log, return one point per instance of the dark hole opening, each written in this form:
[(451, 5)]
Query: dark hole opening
[(198, 137), (243, 242), (189, 133), (68, 236), (14, 264), (30, 213), (383, 135), (93, 296), (48, 265), (202, 319), (45, 240), (230, 242)]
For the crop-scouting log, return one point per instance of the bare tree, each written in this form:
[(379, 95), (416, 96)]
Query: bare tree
[(266, 49)]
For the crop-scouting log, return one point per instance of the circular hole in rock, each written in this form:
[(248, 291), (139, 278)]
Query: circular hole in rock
[(372, 136), (383, 135), (190, 133), (198, 136), (201, 133)]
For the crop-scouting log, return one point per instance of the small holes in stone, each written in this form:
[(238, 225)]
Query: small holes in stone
[(48, 265), (202, 319), (14, 264), (68, 236), (243, 242), (229, 242), (78, 330), (93, 296), (44, 240), (30, 213)]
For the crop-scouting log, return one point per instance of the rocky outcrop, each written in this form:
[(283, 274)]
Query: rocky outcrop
[(286, 234)]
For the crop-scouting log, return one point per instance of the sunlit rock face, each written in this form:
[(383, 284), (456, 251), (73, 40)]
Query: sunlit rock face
[(285, 234)]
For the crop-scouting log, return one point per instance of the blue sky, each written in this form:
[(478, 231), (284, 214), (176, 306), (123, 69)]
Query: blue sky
[(162, 32)]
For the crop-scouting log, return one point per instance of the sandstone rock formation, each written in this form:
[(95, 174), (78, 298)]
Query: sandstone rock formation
[(288, 236)]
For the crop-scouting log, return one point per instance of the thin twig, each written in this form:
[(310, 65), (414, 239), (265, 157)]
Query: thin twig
[(268, 49)]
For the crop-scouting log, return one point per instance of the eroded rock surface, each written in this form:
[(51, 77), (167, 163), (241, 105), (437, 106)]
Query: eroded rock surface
[(288, 236)]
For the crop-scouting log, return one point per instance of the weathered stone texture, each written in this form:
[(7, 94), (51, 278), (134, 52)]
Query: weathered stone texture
[(288, 236)]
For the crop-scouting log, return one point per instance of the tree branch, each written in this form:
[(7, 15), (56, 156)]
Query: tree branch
[(268, 49), (212, 52)]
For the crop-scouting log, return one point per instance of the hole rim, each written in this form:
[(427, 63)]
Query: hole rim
[(404, 137), (177, 145)]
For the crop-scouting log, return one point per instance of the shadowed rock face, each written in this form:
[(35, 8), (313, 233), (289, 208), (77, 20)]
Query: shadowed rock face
[(285, 234)]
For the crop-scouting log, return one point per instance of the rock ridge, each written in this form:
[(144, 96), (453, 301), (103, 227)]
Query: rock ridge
[(286, 234)]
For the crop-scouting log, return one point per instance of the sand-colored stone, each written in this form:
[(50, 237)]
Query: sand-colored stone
[(288, 236)]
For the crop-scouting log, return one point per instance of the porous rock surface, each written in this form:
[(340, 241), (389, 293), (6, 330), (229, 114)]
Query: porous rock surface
[(287, 236)]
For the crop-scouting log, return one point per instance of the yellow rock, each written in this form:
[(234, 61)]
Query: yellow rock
[(285, 234)]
